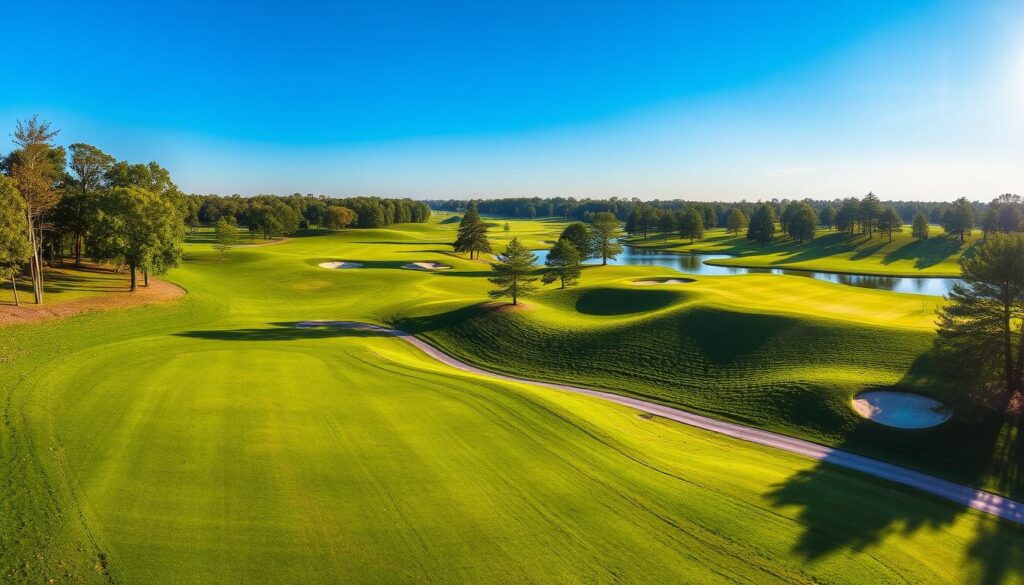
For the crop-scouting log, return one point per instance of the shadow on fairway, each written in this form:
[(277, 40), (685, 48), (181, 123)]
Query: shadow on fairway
[(928, 252), (287, 331), (837, 518)]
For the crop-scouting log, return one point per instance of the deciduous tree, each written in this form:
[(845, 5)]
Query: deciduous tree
[(691, 224), (226, 234), (762, 225), (604, 232)]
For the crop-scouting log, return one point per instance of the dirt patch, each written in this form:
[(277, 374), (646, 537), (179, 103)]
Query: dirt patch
[(158, 291)]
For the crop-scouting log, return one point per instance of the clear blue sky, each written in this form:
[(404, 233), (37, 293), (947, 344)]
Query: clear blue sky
[(704, 100)]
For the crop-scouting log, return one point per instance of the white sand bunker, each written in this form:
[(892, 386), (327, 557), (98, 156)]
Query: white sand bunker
[(340, 264), (662, 281), (426, 266), (900, 409)]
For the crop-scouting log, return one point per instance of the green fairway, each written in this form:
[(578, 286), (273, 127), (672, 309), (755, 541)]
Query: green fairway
[(832, 251), (209, 440)]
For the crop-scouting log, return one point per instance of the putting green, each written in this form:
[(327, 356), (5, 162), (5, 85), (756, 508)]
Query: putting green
[(211, 440)]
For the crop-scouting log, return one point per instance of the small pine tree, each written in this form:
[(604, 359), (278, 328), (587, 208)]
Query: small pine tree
[(920, 227), (507, 228), (513, 273), (563, 264)]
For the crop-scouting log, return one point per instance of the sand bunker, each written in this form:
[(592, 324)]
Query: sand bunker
[(340, 264), (662, 281), (900, 409), (426, 266)]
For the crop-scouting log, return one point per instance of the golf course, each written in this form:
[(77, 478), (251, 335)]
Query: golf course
[(231, 434)]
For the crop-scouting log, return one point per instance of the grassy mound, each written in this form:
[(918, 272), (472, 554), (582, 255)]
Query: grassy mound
[(619, 301)]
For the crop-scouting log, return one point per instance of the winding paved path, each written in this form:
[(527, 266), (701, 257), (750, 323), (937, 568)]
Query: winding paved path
[(961, 494)]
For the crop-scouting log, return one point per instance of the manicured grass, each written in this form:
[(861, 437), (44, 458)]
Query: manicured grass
[(209, 440), (832, 251)]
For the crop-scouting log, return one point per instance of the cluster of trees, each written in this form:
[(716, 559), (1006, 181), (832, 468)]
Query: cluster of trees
[(689, 222), (83, 201), (274, 215), (515, 269)]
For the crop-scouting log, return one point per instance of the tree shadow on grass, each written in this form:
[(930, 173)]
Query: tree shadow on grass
[(841, 509), (925, 253), (282, 331)]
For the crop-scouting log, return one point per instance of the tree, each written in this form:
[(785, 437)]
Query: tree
[(579, 234), (889, 221), (870, 210), (828, 217), (563, 264), (337, 217), (762, 225), (980, 326), (513, 272), (959, 218), (76, 210), (603, 233), (507, 228), (15, 248), (920, 228), (803, 222), (1004, 214), (666, 225), (691, 224), (139, 228), (846, 217), (226, 234), (472, 236), (37, 167), (736, 220)]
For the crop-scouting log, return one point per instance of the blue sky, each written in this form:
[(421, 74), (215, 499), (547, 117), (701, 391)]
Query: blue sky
[(701, 100)]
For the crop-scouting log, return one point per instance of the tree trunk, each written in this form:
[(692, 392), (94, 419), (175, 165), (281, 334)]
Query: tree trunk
[(34, 268), (131, 266), (78, 249), (145, 277), (14, 287)]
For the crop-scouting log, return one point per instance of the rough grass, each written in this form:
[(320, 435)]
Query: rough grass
[(211, 441)]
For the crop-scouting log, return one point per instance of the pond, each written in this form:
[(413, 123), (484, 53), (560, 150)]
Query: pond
[(697, 264)]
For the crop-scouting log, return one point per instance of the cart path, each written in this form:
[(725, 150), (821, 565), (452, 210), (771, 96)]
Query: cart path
[(981, 500)]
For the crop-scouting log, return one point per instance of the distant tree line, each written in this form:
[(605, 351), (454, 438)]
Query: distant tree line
[(1002, 211), (274, 215)]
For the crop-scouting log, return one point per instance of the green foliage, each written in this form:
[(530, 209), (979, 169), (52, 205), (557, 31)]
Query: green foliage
[(472, 236), (691, 224), (920, 228), (959, 218), (762, 225), (337, 217), (889, 221), (981, 328), (15, 249), (802, 222), (513, 273), (579, 234), (563, 264), (226, 235), (870, 210), (603, 233), (667, 224), (737, 220), (138, 228)]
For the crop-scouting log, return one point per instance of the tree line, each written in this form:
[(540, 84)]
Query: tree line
[(1005, 210)]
